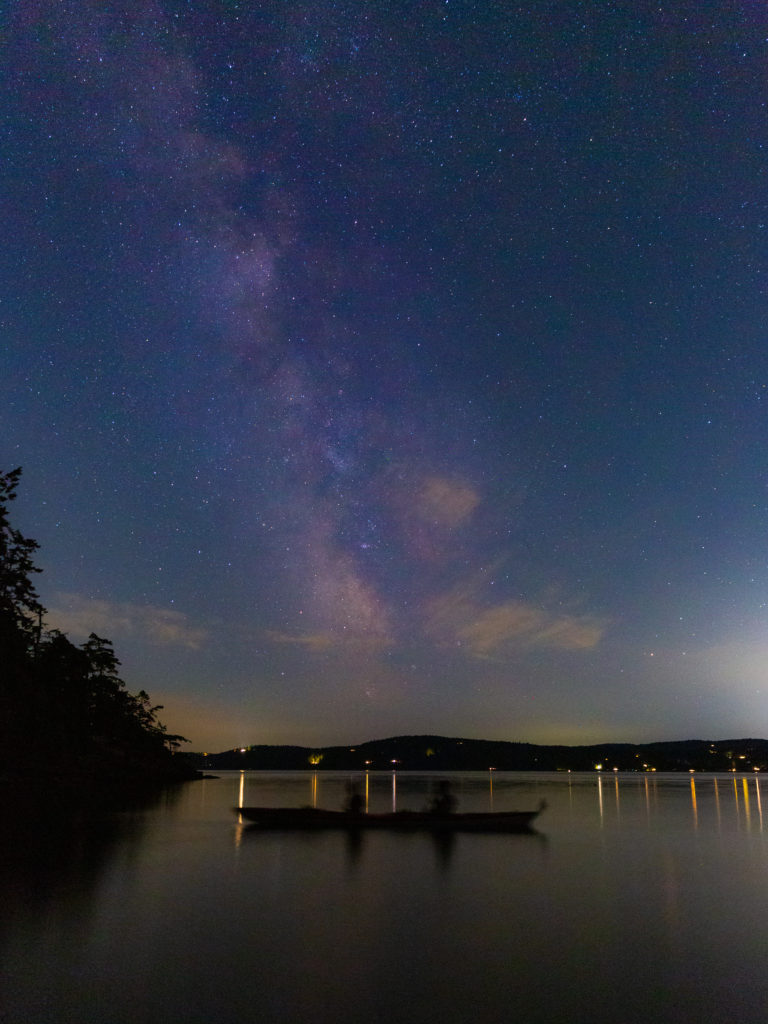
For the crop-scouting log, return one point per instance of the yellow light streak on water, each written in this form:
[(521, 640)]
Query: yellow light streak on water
[(759, 804), (747, 812), (240, 803), (600, 796)]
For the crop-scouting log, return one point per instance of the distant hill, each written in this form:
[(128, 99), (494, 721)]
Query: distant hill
[(442, 753)]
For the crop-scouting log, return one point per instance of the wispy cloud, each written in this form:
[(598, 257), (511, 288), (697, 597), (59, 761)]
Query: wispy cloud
[(429, 511), (78, 615), (518, 624), (445, 502), (488, 632)]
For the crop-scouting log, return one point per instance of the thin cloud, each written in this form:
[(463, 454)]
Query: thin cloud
[(81, 616), (516, 624), (456, 619), (428, 511), (447, 503)]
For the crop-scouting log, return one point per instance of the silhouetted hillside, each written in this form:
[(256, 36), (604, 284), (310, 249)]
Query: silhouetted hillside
[(442, 753)]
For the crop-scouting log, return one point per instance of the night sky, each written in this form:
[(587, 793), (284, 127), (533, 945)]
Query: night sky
[(390, 367)]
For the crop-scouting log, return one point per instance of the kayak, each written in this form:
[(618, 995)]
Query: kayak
[(406, 821)]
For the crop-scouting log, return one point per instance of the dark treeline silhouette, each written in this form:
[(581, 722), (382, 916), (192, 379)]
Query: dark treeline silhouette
[(65, 713), (443, 753)]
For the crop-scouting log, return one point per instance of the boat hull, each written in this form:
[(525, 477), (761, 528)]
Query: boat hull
[(309, 818)]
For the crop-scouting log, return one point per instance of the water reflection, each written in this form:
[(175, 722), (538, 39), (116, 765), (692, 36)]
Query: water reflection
[(357, 843), (402, 791), (600, 796), (759, 804), (644, 884), (53, 857), (711, 800), (706, 798), (747, 813)]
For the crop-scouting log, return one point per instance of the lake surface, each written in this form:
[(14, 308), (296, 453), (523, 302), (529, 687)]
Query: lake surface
[(641, 898)]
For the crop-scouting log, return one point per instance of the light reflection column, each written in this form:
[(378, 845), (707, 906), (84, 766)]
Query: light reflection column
[(240, 827), (747, 812), (600, 796), (759, 804), (693, 804), (736, 800)]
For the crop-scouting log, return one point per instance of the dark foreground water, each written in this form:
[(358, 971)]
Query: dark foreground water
[(642, 898)]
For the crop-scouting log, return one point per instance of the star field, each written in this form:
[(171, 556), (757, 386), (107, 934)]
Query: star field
[(388, 368)]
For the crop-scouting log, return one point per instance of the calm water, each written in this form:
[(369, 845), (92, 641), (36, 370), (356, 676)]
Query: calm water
[(642, 898)]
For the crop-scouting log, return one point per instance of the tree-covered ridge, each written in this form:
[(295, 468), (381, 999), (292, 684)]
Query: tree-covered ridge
[(64, 708), (446, 753)]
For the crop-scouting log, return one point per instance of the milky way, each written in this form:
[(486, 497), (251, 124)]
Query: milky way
[(388, 368)]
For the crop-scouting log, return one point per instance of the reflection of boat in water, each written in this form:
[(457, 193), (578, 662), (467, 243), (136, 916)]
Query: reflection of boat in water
[(404, 821)]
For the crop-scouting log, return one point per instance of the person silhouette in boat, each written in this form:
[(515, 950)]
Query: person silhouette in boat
[(443, 801), (354, 802)]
